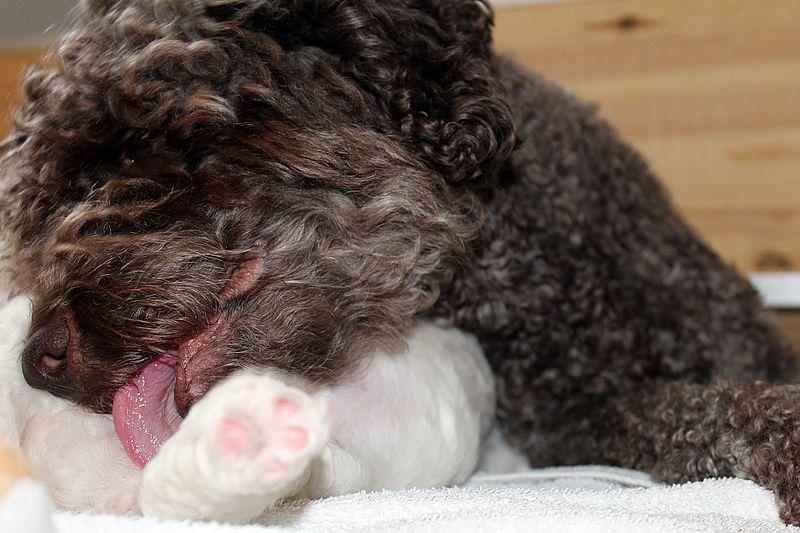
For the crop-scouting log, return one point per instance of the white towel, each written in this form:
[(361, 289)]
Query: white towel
[(550, 500)]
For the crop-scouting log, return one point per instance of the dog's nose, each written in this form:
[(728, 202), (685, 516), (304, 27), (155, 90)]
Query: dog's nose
[(44, 358)]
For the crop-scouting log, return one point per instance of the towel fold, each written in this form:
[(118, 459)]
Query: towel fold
[(573, 499)]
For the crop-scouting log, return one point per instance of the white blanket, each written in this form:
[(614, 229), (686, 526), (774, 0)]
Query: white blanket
[(551, 500)]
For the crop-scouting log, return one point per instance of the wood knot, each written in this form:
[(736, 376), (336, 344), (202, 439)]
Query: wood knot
[(773, 260), (625, 23)]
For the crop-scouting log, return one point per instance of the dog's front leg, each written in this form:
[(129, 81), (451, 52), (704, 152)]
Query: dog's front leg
[(248, 444)]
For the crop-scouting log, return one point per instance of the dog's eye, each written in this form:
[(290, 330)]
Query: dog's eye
[(126, 160)]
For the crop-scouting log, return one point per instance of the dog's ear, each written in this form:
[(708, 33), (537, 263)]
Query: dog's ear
[(423, 65)]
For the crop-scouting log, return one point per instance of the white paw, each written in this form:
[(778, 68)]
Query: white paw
[(246, 445), (263, 433)]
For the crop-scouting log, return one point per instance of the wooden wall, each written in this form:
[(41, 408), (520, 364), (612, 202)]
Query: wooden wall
[(12, 67), (709, 90)]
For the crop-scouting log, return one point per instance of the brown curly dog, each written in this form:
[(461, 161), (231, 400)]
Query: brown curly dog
[(327, 171)]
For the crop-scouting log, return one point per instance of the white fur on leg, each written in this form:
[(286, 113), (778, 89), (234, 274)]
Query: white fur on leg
[(243, 447), (409, 419)]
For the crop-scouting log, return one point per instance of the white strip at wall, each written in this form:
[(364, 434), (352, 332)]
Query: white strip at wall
[(780, 290)]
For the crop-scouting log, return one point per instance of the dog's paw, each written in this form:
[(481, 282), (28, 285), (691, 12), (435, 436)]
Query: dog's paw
[(247, 444), (265, 433)]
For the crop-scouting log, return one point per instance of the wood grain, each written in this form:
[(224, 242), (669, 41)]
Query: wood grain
[(12, 68), (708, 90)]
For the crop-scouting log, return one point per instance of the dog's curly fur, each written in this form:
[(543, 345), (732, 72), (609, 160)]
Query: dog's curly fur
[(385, 164)]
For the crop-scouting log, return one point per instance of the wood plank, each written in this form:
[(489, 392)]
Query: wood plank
[(12, 68), (708, 90), (680, 102), (753, 240), (737, 170), (609, 38)]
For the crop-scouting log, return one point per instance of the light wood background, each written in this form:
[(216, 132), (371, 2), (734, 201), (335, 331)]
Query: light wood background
[(709, 90), (12, 67)]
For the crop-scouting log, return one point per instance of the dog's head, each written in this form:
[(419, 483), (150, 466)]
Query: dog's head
[(222, 183)]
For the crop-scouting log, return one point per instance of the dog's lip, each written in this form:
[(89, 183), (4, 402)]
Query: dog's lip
[(195, 356), (198, 353)]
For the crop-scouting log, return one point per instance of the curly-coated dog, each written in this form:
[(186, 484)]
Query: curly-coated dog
[(289, 184)]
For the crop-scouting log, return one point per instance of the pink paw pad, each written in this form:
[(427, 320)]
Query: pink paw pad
[(267, 433), (294, 438), (233, 437), (286, 408)]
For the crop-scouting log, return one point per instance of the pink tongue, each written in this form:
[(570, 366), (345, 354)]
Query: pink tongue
[(144, 411)]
